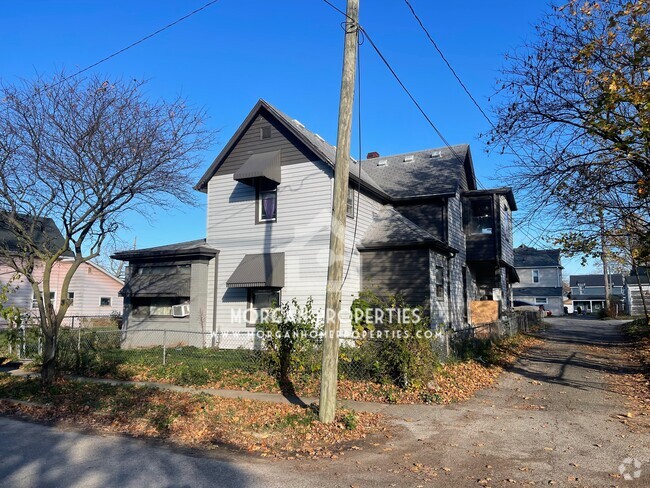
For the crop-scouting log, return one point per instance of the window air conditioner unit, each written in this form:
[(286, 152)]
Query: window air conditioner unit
[(180, 311)]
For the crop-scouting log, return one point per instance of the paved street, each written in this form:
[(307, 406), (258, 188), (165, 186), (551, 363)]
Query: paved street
[(551, 420)]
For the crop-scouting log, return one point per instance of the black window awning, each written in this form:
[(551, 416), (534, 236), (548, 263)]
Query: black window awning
[(263, 165), (259, 271), (157, 285)]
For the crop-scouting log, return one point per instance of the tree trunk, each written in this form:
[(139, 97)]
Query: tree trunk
[(48, 369)]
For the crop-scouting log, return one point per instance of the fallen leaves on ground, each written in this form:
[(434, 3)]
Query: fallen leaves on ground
[(454, 381), (632, 379), (200, 420)]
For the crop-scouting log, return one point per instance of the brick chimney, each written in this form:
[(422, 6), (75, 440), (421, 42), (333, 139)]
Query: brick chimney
[(372, 155)]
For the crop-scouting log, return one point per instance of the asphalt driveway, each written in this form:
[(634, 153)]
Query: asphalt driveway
[(552, 420)]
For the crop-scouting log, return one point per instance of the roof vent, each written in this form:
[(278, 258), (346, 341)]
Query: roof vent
[(382, 162), (372, 155), (298, 123), (409, 159), (436, 154)]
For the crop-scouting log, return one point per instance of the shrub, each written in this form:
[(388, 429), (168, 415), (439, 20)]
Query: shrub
[(401, 353), (291, 340)]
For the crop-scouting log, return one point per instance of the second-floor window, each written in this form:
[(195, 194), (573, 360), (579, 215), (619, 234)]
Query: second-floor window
[(350, 204), (535, 276), (482, 221), (267, 201)]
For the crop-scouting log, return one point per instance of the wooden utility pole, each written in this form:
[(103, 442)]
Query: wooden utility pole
[(327, 408), (605, 260)]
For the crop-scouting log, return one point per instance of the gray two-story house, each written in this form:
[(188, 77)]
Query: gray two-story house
[(417, 225), (588, 291), (540, 278)]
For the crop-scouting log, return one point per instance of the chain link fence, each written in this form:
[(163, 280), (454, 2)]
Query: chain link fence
[(95, 346)]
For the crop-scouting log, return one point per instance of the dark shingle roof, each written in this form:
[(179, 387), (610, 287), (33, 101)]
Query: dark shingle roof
[(392, 229), (421, 173), (440, 171), (528, 257), (157, 285), (181, 249), (45, 234), (643, 276), (595, 280), (538, 291)]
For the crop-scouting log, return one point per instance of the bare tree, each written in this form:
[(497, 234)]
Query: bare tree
[(83, 152), (576, 112)]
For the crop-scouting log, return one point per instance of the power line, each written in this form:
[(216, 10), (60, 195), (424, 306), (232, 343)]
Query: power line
[(464, 87), (415, 102), (139, 41), (435, 45)]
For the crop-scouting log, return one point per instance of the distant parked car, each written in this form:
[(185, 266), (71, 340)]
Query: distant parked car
[(521, 306)]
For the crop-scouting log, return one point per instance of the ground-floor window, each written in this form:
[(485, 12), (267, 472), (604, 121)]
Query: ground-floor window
[(155, 306), (260, 300), (541, 300)]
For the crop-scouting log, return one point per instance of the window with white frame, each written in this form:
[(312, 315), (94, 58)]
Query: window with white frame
[(535, 276), (35, 302), (267, 201), (105, 301), (541, 300), (350, 203), (71, 297)]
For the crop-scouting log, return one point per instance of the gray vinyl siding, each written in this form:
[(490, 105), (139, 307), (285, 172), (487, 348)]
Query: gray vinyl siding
[(550, 276), (429, 216), (456, 239), (292, 151), (405, 271), (365, 213), (301, 232), (634, 302), (555, 304), (439, 307), (505, 215)]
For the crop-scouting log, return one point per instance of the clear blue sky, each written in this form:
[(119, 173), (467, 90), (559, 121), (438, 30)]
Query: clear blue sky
[(288, 52)]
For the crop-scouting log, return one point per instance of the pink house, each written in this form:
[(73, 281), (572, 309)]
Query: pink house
[(93, 290)]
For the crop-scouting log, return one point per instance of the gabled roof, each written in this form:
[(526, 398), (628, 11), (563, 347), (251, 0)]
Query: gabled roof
[(528, 257), (321, 149), (595, 280), (391, 229), (187, 249), (46, 235), (419, 174)]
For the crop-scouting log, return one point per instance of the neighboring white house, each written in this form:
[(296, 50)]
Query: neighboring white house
[(636, 283), (540, 278), (417, 225), (94, 291)]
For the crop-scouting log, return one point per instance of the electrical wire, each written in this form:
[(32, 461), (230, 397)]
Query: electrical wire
[(139, 41)]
